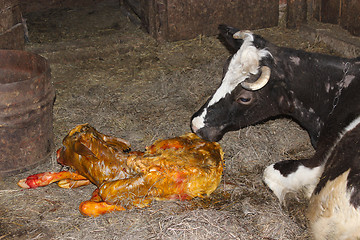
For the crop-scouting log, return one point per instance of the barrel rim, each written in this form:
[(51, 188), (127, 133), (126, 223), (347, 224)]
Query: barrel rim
[(20, 54)]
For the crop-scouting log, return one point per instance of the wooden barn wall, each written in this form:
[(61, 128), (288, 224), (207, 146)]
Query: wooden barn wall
[(43, 5), (343, 12), (11, 28), (350, 16), (177, 20)]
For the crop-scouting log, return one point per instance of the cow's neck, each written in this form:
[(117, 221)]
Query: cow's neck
[(314, 101), (308, 118), (313, 83)]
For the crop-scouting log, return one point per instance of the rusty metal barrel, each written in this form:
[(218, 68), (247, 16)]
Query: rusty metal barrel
[(26, 111)]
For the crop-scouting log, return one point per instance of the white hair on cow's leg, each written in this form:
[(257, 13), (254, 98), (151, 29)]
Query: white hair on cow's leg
[(331, 213), (302, 179), (244, 62)]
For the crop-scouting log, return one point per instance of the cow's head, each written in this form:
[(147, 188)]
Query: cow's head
[(246, 94)]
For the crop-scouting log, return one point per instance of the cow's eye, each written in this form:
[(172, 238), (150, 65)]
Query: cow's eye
[(245, 97), (244, 100)]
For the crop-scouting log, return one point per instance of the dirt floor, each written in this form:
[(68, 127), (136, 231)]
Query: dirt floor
[(107, 71)]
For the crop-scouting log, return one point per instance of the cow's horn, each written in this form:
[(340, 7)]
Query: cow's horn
[(261, 82), (241, 34)]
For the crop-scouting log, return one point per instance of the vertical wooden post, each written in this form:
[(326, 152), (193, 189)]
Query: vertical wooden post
[(296, 13), (11, 26), (350, 18)]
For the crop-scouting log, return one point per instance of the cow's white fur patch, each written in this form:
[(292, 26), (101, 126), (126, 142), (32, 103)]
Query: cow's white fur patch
[(295, 60), (198, 122), (244, 62), (330, 213), (303, 178), (348, 128), (347, 80), (352, 125), (327, 87)]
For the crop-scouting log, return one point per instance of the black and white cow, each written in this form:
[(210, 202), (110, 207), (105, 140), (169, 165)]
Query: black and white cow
[(321, 92)]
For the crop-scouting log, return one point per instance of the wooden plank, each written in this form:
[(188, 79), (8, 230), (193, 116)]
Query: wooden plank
[(296, 13), (133, 5), (11, 28), (327, 11), (342, 12), (28, 6), (154, 18)]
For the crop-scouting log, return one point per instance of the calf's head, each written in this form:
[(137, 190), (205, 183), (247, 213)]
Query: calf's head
[(246, 94)]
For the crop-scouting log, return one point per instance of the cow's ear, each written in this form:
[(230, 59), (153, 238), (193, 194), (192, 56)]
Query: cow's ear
[(226, 33)]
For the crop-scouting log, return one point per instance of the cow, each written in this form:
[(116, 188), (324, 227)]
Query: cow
[(322, 93)]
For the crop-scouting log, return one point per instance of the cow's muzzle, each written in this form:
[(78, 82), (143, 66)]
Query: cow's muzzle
[(211, 134)]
